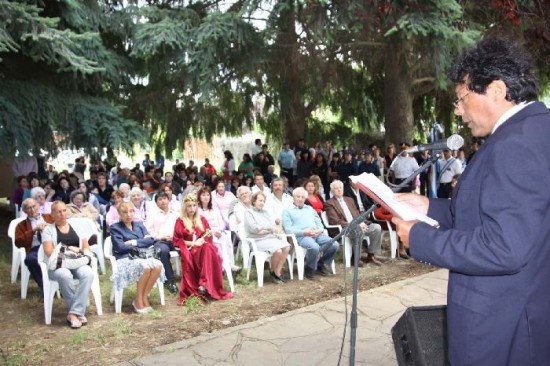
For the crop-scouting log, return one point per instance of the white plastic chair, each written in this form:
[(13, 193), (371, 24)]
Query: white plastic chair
[(51, 287), (390, 233), (225, 260), (347, 241), (17, 254), (243, 248), (259, 256), (117, 295), (18, 260), (299, 255), (175, 255), (87, 227)]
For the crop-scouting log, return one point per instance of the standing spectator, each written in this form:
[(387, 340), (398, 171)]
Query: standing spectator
[(347, 166), (403, 167), (304, 165), (256, 148), (320, 168), (368, 165), (228, 167), (447, 167), (286, 160), (247, 166), (146, 162), (267, 155)]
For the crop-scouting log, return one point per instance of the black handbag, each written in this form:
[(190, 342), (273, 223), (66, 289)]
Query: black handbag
[(144, 253)]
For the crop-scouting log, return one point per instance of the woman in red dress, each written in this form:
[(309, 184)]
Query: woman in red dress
[(200, 262)]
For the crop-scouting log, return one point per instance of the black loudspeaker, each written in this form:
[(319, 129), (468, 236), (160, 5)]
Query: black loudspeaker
[(420, 337)]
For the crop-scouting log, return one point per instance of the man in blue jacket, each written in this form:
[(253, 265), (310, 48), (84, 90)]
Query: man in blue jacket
[(495, 231)]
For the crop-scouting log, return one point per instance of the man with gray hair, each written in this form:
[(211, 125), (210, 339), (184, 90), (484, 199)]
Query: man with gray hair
[(28, 235), (302, 221), (341, 211)]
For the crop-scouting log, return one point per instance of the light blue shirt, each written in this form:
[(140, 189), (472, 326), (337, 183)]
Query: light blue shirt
[(297, 220), (286, 159)]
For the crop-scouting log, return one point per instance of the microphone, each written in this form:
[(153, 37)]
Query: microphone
[(454, 142)]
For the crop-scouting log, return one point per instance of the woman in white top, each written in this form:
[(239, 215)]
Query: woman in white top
[(217, 227)]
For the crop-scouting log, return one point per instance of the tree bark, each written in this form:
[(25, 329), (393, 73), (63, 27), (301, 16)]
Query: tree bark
[(398, 96)]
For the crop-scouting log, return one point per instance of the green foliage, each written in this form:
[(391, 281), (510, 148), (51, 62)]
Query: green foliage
[(61, 86)]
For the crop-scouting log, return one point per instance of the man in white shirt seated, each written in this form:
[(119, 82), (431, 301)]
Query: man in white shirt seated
[(278, 200), (341, 210), (160, 223), (259, 185)]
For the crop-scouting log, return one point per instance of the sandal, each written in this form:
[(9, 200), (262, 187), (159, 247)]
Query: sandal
[(83, 320), (73, 321)]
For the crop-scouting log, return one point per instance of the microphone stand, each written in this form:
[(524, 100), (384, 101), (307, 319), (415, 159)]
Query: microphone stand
[(427, 164), (356, 234)]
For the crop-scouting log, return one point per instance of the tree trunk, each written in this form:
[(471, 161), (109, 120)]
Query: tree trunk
[(291, 88), (398, 96)]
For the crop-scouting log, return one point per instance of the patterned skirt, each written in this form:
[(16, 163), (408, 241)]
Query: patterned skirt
[(131, 270)]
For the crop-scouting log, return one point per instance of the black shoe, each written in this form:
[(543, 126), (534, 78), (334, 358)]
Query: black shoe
[(403, 256), (276, 278), (322, 269), (172, 287), (309, 273)]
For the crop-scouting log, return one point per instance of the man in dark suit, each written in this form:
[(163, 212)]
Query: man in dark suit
[(341, 210), (360, 198), (28, 235), (495, 231)]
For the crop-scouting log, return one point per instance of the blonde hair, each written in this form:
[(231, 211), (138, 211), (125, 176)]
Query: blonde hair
[(194, 221)]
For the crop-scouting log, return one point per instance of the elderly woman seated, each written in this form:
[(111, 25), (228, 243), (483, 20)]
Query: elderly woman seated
[(127, 235), (39, 195), (79, 207), (260, 226), (137, 198), (76, 298), (200, 262)]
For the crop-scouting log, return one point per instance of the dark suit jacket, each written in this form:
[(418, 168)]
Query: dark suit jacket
[(495, 239), (120, 233), (24, 233), (366, 200), (335, 212)]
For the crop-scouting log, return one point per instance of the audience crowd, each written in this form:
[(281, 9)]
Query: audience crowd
[(196, 210)]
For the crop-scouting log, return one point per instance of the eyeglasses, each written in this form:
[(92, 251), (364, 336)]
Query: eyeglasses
[(458, 100)]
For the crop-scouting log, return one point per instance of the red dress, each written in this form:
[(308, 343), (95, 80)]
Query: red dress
[(200, 265)]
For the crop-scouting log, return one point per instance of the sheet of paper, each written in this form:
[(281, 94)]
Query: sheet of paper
[(383, 195)]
